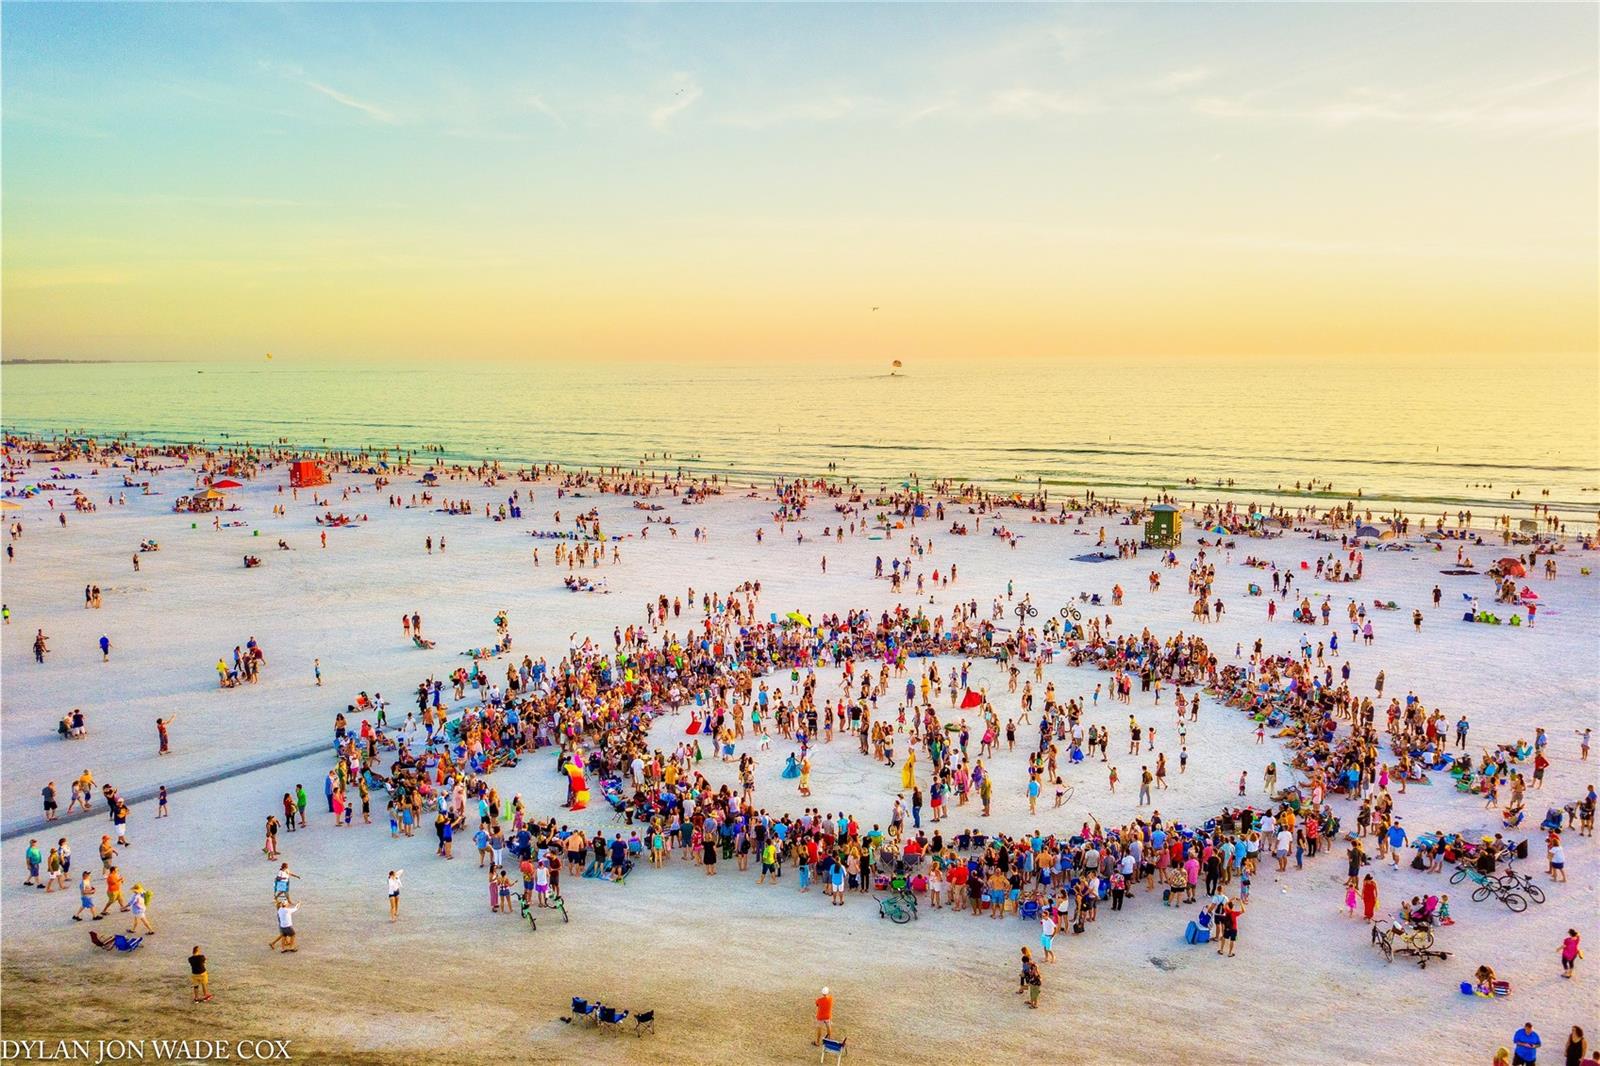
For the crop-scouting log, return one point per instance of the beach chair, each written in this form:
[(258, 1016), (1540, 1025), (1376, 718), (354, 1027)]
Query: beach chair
[(586, 1010), (118, 942), (1029, 911), (610, 1016), (642, 1020), (836, 1048)]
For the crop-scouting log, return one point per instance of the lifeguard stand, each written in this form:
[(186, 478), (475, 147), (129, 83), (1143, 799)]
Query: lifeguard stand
[(304, 473), (1165, 527)]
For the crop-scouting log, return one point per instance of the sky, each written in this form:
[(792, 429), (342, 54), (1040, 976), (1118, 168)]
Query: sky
[(817, 182)]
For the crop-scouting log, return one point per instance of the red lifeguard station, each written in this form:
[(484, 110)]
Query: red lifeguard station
[(304, 473)]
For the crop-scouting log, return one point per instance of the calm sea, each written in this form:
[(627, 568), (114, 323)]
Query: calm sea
[(1422, 439)]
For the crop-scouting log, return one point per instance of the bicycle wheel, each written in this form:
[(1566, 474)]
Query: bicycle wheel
[(1534, 892), (1386, 945), (1514, 902), (899, 915), (1459, 876), (1480, 893), (1423, 939)]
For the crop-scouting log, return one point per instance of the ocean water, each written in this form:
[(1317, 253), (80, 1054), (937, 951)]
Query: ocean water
[(1422, 439)]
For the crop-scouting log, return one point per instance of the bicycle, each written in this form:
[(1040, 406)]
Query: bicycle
[(1416, 941), (899, 906), (1514, 902), (1515, 882), (1504, 887)]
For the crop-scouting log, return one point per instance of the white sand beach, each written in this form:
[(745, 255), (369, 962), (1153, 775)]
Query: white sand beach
[(730, 967)]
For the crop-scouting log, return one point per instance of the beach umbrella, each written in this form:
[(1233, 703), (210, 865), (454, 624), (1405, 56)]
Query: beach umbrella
[(227, 485), (10, 505), (1387, 534), (798, 619), (1366, 531), (1219, 528), (211, 494), (1513, 568), (971, 700)]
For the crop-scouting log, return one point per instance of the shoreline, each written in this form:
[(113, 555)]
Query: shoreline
[(1316, 501)]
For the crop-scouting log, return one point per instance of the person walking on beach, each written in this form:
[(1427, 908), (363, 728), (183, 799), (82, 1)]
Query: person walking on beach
[(1033, 983), (1571, 952), (33, 857), (105, 648), (394, 894), (86, 898), (286, 911), (139, 905), (824, 1018)]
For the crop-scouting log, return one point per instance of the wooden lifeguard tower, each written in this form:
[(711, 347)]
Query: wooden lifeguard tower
[(1165, 526)]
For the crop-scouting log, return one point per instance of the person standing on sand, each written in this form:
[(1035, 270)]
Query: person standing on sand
[(199, 979), (824, 1018), (1369, 898), (163, 740), (1526, 1042)]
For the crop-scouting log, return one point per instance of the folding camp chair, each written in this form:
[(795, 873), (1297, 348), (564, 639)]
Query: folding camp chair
[(584, 1009), (611, 1016), (836, 1048), (645, 1019)]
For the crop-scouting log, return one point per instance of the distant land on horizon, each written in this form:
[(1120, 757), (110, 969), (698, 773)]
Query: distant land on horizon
[(52, 362)]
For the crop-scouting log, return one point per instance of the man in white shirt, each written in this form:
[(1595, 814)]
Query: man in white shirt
[(1047, 933), (394, 894)]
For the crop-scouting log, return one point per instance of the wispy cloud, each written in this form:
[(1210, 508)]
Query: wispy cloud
[(539, 105), (61, 277), (372, 111), (1018, 102), (1182, 79), (1552, 116), (822, 108), (685, 94)]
